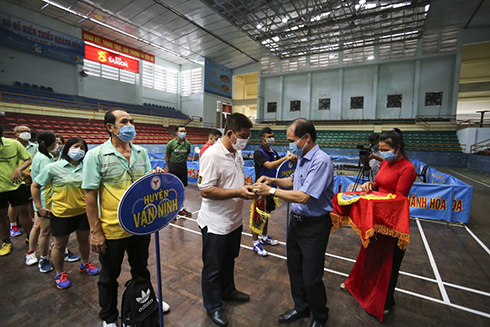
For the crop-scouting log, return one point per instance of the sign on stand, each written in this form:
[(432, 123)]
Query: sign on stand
[(147, 206)]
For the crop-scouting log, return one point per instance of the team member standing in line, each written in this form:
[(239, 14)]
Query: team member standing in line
[(109, 170), (221, 182), (266, 162), (68, 209), (176, 153), (23, 135), (12, 190), (310, 223), (214, 135), (42, 225)]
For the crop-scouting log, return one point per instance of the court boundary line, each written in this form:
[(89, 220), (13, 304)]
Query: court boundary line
[(477, 239), (421, 296), (471, 179), (433, 264)]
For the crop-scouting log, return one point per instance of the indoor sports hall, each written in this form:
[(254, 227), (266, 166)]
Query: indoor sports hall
[(351, 67)]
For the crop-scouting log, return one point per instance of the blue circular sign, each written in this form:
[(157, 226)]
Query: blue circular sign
[(150, 203), (286, 169)]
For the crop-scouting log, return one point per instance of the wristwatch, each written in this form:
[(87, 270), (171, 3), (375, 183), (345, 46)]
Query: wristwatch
[(272, 191)]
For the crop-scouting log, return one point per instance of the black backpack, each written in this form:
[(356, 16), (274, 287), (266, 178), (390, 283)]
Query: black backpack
[(139, 304)]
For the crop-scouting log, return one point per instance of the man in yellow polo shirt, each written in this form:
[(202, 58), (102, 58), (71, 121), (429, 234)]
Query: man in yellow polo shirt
[(12, 189), (108, 171)]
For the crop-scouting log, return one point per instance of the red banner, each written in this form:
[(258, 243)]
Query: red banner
[(106, 43), (227, 108), (110, 58)]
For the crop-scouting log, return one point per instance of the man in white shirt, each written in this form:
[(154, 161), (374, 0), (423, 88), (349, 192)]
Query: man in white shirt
[(221, 182)]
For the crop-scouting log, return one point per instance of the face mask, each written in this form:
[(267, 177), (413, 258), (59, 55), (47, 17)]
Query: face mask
[(76, 154), (293, 148), (25, 136), (269, 141), (182, 135), (126, 133), (388, 155), (240, 143)]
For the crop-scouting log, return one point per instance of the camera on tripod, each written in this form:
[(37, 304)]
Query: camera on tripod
[(364, 154)]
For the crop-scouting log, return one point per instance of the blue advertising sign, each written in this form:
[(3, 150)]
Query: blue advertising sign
[(22, 34), (217, 79), (150, 203), (431, 201)]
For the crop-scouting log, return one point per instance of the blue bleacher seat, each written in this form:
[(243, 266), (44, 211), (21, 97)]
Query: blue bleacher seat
[(42, 88), (26, 85), (35, 87), (49, 89), (17, 83)]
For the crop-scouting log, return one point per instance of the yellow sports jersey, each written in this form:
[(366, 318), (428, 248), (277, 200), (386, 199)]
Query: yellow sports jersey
[(68, 198), (38, 163), (109, 172), (11, 153)]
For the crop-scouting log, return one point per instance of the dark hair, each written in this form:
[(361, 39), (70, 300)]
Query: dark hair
[(1, 134), (397, 130), (110, 118), (236, 122), (33, 134), (265, 130), (45, 140), (215, 132), (177, 127), (303, 126), (373, 137), (394, 139), (61, 138), (68, 145)]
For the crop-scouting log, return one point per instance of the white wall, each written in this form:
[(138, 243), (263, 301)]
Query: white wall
[(472, 135), (411, 77)]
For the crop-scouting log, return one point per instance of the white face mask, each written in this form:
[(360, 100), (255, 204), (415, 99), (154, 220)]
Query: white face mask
[(269, 141), (26, 136), (240, 143)]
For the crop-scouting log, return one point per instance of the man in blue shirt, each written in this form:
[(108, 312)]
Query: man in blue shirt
[(310, 189)]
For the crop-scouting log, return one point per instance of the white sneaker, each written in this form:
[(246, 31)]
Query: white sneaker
[(165, 307), (112, 324), (260, 250), (31, 259)]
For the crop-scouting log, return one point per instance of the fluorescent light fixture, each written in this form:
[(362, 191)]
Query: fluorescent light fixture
[(275, 38), (259, 26), (284, 19)]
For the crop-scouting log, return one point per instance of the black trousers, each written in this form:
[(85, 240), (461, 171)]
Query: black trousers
[(395, 270), (306, 245), (111, 261), (218, 256)]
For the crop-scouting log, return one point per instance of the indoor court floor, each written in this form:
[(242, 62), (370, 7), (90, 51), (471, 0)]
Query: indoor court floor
[(444, 279)]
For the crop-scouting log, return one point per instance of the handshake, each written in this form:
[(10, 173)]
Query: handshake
[(259, 188)]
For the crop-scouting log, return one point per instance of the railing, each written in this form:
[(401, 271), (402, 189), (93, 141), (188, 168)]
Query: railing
[(473, 123), (482, 146)]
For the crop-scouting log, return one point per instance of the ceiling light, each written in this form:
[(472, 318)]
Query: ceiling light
[(361, 2), (276, 38), (259, 26), (285, 20)]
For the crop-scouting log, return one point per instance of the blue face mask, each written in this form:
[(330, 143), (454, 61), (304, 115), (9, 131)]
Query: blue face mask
[(293, 148), (126, 133), (76, 154), (182, 135), (388, 155)]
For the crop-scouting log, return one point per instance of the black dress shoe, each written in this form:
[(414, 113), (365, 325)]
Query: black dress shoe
[(237, 296), (317, 323), (293, 315), (218, 317)]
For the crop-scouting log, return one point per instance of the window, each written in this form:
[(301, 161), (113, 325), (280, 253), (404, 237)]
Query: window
[(394, 101), (271, 107), (357, 102), (320, 60), (295, 105), (324, 104), (433, 99), (268, 65), (293, 64), (191, 81), (358, 55), (159, 78), (93, 68)]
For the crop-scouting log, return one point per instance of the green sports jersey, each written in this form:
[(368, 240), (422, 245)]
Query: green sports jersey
[(11, 154)]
